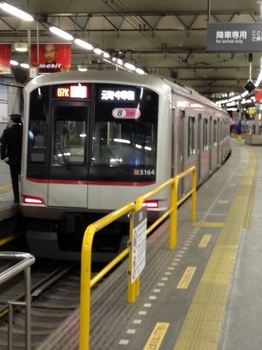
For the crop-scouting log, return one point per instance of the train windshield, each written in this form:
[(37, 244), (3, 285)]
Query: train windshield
[(125, 129), (124, 144)]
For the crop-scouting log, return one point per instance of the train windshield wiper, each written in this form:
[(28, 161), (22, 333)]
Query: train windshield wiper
[(65, 158)]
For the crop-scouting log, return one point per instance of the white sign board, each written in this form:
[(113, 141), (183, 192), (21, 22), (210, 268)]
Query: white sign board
[(139, 244), (3, 113)]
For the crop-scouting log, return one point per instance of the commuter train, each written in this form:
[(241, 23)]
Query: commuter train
[(95, 141)]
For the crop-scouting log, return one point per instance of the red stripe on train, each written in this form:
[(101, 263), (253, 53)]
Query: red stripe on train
[(88, 183)]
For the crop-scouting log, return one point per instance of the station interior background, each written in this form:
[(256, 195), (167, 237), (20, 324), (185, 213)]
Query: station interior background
[(167, 38)]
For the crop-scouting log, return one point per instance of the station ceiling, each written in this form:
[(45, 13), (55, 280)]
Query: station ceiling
[(166, 37)]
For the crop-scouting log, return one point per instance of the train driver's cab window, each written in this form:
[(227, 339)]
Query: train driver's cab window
[(38, 124), (191, 136), (69, 140)]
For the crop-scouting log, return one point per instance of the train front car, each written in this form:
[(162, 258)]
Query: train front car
[(96, 141), (90, 146)]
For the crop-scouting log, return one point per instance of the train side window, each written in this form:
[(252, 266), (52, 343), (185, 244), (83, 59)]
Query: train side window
[(205, 134), (215, 133), (191, 136)]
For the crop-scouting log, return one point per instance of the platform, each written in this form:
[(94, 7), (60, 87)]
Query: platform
[(203, 295), (8, 209)]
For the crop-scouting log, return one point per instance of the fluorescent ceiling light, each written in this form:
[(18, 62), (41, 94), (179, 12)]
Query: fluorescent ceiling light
[(106, 55), (129, 66), (16, 12), (98, 51), (82, 67), (61, 33), (14, 63), (120, 62), (21, 46), (84, 44), (25, 65), (140, 71)]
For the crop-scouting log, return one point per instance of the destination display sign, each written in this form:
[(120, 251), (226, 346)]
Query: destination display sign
[(71, 91), (234, 37)]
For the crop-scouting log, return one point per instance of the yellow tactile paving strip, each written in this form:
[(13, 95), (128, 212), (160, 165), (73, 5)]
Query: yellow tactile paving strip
[(6, 188), (202, 326), (207, 224)]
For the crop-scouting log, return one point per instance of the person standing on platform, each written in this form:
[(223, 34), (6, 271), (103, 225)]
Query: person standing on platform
[(11, 150), (239, 128)]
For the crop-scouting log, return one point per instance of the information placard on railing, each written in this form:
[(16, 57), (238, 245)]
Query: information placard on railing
[(139, 244)]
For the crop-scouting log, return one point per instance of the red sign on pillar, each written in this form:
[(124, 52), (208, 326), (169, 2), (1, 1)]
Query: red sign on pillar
[(5, 57), (258, 96)]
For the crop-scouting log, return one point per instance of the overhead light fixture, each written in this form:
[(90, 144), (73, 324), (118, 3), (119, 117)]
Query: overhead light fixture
[(82, 67), (98, 51), (106, 55), (119, 62), (16, 12), (25, 65), (61, 33), (21, 46), (83, 44), (14, 63), (140, 71), (129, 66)]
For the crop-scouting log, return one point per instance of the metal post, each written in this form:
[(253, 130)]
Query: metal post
[(10, 326), (131, 287), (85, 288), (173, 214), (193, 202), (28, 308)]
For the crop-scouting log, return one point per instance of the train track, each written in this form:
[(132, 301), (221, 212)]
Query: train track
[(55, 294)]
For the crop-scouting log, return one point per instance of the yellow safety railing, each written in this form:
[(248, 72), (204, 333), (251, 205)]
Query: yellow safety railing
[(133, 288)]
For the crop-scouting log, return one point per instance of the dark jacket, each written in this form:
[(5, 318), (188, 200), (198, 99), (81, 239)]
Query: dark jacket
[(12, 144)]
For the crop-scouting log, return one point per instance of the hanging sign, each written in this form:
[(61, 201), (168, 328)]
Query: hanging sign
[(232, 37)]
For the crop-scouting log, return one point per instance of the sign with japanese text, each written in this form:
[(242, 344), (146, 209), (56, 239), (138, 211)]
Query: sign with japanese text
[(139, 244), (234, 37)]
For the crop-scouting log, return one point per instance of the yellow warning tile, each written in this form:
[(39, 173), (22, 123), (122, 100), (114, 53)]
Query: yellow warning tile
[(155, 340), (6, 188), (222, 201), (204, 241), (202, 326), (207, 224), (187, 277)]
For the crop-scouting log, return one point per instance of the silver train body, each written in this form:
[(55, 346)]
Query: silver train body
[(94, 141)]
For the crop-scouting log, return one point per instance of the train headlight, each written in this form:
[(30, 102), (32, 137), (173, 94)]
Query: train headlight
[(33, 200)]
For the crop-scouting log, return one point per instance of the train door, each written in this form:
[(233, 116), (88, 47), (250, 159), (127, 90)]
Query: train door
[(181, 149), (68, 171), (219, 141), (182, 142), (174, 149), (210, 143), (199, 147)]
